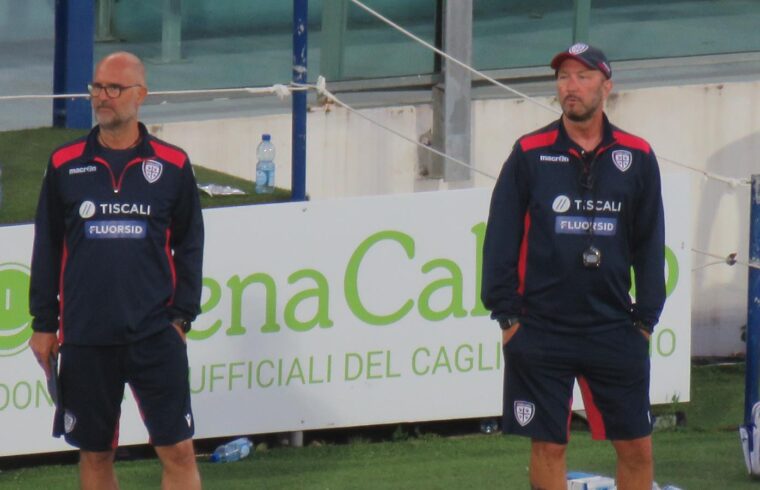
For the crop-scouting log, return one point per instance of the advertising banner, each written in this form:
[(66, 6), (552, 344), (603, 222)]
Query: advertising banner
[(333, 314)]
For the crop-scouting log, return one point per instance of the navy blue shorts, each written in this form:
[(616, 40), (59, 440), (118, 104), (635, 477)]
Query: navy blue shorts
[(92, 389), (612, 368)]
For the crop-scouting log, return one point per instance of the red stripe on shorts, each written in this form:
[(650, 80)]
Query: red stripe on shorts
[(598, 431)]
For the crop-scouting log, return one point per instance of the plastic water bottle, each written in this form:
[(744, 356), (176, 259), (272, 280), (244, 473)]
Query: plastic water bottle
[(265, 166), (232, 451)]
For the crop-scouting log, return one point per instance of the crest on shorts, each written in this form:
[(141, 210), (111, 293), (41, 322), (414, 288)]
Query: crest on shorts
[(152, 170), (69, 421), (622, 159), (524, 412)]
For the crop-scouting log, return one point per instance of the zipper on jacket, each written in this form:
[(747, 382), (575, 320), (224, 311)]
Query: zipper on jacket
[(117, 185)]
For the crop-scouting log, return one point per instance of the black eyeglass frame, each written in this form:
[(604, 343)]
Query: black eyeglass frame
[(112, 91)]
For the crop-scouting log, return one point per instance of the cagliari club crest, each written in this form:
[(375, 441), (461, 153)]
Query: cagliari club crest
[(578, 48), (622, 159), (524, 412), (69, 421), (152, 170)]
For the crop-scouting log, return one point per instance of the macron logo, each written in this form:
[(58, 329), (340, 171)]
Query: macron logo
[(83, 170), (554, 158)]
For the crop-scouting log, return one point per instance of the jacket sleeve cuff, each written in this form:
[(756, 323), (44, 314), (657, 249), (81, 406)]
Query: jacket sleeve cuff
[(44, 326), (175, 312), (644, 325), (503, 317)]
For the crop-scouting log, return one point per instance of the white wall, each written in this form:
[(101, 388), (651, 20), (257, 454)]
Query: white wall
[(711, 127)]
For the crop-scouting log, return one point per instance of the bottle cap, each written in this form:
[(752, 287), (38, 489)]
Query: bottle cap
[(266, 137)]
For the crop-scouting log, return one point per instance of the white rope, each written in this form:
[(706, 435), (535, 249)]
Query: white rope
[(727, 180), (278, 89), (733, 182), (285, 90), (282, 91), (321, 89), (454, 60), (709, 264), (729, 259), (43, 96)]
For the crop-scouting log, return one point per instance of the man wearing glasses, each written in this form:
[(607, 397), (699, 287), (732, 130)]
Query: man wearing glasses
[(576, 207), (116, 281)]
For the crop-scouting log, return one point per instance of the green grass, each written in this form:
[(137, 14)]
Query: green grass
[(717, 394), (24, 155), (705, 454)]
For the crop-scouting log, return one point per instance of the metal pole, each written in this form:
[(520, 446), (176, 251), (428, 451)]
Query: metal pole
[(438, 60), (300, 20), (582, 20), (171, 31), (73, 58), (104, 13), (753, 305), (451, 106), (334, 18)]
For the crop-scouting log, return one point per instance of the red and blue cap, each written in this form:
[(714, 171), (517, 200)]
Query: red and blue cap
[(590, 56)]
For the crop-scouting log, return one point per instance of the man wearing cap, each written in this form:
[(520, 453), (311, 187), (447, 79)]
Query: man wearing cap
[(577, 207)]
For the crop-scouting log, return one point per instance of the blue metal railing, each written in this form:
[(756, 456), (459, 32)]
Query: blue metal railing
[(300, 37)]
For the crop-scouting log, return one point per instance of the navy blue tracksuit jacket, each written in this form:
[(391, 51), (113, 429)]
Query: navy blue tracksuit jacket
[(116, 257), (551, 202)]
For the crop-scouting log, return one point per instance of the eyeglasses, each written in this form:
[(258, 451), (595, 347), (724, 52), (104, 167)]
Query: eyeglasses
[(112, 91)]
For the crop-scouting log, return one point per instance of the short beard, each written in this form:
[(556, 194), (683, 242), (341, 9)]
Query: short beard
[(110, 124), (583, 117)]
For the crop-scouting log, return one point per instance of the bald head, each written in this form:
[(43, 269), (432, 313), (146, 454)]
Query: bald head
[(128, 67), (118, 111)]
